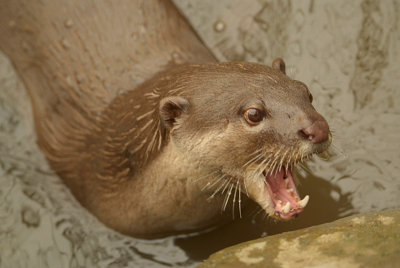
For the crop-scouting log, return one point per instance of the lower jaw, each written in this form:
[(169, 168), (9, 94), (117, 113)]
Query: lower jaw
[(286, 217)]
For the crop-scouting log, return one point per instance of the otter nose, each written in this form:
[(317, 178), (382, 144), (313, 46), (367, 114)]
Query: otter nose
[(317, 132)]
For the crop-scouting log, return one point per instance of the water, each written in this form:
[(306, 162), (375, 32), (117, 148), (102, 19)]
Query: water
[(347, 52)]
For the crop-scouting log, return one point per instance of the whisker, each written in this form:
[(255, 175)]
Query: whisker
[(277, 152), (273, 166), (228, 194), (301, 157), (325, 156), (240, 202), (256, 151), (245, 188), (283, 158), (205, 176), (257, 212), (209, 185), (225, 187), (265, 215), (223, 184), (254, 159), (288, 162), (337, 151), (234, 199), (304, 167), (268, 164), (261, 166)]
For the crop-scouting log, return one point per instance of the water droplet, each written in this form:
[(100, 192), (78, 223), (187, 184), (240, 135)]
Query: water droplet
[(99, 76), (68, 23), (177, 58), (335, 196), (25, 46), (142, 29), (134, 36), (69, 81), (263, 234), (79, 78), (219, 26), (65, 44), (175, 55)]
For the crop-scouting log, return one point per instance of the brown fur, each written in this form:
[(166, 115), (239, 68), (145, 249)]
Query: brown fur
[(132, 118)]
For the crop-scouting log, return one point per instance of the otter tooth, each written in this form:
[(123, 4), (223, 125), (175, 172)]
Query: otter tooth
[(286, 207), (303, 203), (290, 190)]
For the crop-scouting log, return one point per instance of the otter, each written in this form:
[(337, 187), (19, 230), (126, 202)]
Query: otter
[(146, 128)]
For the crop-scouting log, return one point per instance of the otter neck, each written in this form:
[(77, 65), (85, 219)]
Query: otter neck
[(177, 201), (131, 136)]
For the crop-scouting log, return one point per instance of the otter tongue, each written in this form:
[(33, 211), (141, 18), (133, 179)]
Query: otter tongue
[(284, 195)]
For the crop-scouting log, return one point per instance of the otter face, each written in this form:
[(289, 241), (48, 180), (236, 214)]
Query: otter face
[(248, 126)]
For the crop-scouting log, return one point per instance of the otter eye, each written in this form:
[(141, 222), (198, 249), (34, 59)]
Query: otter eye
[(254, 116)]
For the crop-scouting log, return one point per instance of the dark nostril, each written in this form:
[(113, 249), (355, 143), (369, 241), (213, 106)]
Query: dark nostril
[(306, 134), (317, 132)]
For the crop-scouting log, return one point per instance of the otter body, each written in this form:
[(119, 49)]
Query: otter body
[(148, 131)]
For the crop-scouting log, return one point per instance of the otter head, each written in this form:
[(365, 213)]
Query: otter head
[(246, 125)]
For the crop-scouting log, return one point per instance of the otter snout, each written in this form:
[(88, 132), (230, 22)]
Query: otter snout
[(317, 133)]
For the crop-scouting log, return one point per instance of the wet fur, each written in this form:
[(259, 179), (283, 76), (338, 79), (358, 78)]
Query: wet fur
[(136, 124)]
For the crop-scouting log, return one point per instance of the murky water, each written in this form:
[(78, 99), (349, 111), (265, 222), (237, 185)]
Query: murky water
[(348, 52), (328, 203)]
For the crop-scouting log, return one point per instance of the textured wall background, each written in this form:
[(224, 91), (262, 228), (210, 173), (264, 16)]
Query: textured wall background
[(348, 52)]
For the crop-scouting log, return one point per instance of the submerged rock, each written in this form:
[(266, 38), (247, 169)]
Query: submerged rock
[(365, 240)]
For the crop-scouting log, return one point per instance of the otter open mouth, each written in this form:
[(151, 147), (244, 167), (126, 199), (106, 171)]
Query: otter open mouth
[(284, 196)]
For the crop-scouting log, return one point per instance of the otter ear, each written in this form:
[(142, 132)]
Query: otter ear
[(279, 64), (171, 108)]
